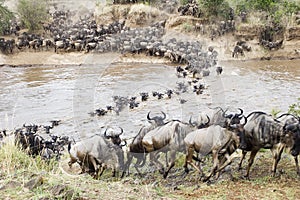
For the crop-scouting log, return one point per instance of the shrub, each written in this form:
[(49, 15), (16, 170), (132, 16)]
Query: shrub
[(32, 13), (187, 27), (5, 17), (295, 108), (215, 8)]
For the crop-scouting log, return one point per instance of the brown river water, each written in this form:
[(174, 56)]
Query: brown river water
[(38, 94)]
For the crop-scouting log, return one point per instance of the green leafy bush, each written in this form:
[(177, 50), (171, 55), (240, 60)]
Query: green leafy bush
[(187, 27), (5, 17), (295, 108), (32, 13), (215, 8)]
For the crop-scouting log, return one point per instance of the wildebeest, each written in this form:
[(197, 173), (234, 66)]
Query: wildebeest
[(166, 138), (295, 147), (36, 140), (291, 123), (136, 148), (214, 140), (95, 153), (263, 131), (218, 116), (61, 44), (238, 50), (7, 46)]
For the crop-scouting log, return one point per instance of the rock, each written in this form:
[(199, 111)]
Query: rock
[(34, 183), (63, 191), (10, 184), (293, 33), (58, 189)]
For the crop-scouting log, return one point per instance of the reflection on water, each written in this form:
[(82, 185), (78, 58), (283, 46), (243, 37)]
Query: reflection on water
[(42, 93)]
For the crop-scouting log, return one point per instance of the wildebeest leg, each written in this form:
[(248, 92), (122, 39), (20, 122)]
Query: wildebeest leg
[(101, 170), (140, 158), (214, 167), (250, 162), (92, 161), (227, 160), (189, 160), (72, 161), (297, 165), (172, 162), (154, 156), (276, 156), (128, 162), (242, 159), (167, 163)]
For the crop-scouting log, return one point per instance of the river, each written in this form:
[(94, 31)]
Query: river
[(38, 94)]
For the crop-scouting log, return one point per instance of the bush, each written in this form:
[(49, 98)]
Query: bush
[(187, 27), (215, 8), (5, 17), (275, 11), (295, 108), (32, 13)]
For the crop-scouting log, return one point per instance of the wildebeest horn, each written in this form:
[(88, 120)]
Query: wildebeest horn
[(121, 130), (224, 111), (190, 121), (208, 120), (105, 134), (241, 110), (164, 115), (148, 116)]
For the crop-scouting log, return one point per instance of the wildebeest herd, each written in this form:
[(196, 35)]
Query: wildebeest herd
[(215, 132), (85, 35), (37, 140)]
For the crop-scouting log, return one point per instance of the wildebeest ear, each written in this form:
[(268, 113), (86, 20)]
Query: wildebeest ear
[(288, 134), (125, 143), (234, 126), (105, 134)]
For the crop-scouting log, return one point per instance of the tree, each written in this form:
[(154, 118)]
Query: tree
[(32, 13), (215, 8), (5, 17)]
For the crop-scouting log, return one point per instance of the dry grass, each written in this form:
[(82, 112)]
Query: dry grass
[(58, 180)]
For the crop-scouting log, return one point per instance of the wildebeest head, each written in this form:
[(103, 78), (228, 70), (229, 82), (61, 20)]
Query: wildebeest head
[(238, 128), (115, 137), (2, 133), (200, 124), (157, 120), (234, 118), (293, 130)]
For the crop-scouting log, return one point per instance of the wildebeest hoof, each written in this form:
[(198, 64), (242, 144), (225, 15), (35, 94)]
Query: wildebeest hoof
[(165, 175), (245, 178), (204, 179), (209, 182)]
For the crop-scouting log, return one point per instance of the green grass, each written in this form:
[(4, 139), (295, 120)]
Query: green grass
[(59, 181)]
